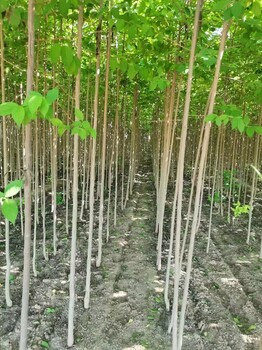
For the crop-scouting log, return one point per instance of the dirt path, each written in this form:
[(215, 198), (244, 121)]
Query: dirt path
[(127, 309)]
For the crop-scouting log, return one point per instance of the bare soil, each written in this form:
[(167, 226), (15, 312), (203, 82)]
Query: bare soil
[(127, 310)]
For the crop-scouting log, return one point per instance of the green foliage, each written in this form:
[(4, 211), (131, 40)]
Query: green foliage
[(239, 209), (9, 207), (245, 327), (36, 104), (69, 59), (44, 344), (217, 197), (50, 310), (59, 198)]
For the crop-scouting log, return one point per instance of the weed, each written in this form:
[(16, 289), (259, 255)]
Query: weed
[(59, 198), (240, 209), (44, 344), (50, 310), (243, 325)]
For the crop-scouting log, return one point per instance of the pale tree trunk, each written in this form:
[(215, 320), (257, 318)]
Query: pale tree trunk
[(177, 343), (253, 189), (92, 167), (27, 186), (213, 190), (104, 131), (5, 175), (70, 337), (180, 174)]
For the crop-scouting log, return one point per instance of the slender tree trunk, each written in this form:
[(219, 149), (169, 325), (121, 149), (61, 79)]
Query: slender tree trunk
[(200, 185), (92, 166), (27, 187), (104, 131), (5, 175), (70, 339)]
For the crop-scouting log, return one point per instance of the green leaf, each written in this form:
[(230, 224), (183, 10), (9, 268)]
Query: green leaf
[(61, 129), (52, 95), (162, 84), (250, 130), (50, 112), (2, 195), (131, 71), (13, 188), (218, 121), (75, 130), (55, 53), (220, 5), (18, 115), (67, 56), (86, 125), (7, 108), (227, 14), (120, 24), (63, 7), (237, 9), (224, 118), (82, 133), (44, 344), (241, 125), (4, 5), (56, 122), (44, 107), (210, 118), (153, 85), (34, 103), (113, 63), (15, 17), (143, 72), (79, 114), (10, 210), (123, 65), (256, 9), (92, 132), (132, 32), (258, 129)]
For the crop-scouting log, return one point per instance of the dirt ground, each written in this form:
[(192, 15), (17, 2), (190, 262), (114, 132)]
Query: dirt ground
[(127, 310)]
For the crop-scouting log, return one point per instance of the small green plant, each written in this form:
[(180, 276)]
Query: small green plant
[(50, 310), (245, 327), (239, 209), (59, 198), (11, 278), (44, 344), (216, 199), (9, 206)]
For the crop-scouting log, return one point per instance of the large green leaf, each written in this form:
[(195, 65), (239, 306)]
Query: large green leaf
[(64, 6), (7, 108), (52, 95), (56, 122), (15, 17), (18, 115), (79, 114), (132, 71), (237, 9), (13, 188), (55, 53), (34, 102), (44, 107), (10, 210), (67, 56)]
